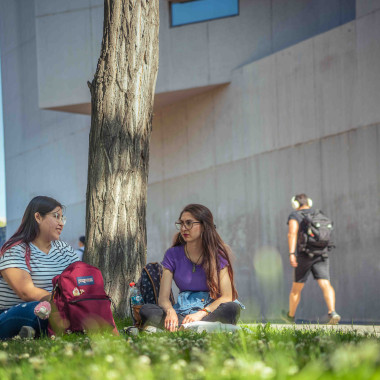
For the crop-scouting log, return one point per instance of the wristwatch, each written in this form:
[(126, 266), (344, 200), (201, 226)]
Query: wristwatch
[(291, 253)]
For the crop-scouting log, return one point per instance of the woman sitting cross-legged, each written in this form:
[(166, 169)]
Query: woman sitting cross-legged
[(199, 262), (28, 262)]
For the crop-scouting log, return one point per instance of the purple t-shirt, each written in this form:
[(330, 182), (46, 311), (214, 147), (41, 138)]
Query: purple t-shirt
[(177, 262)]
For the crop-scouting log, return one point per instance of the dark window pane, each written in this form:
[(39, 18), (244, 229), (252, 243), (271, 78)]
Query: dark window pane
[(202, 10)]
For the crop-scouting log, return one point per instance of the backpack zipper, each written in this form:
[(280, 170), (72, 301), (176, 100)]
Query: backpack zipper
[(91, 299)]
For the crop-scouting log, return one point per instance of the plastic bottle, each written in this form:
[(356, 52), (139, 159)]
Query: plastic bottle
[(136, 297)]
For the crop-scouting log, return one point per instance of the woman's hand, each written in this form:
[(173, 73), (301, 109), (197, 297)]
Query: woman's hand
[(43, 310), (199, 315), (171, 320)]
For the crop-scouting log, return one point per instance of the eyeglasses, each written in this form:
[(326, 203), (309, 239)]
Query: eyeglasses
[(188, 224), (58, 217)]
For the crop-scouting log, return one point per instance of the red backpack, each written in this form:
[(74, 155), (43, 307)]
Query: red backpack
[(79, 301)]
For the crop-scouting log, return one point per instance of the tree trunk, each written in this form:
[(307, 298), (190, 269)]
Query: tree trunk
[(122, 94)]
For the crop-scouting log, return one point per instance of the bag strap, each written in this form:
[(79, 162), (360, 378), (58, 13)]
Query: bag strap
[(306, 216), (53, 293)]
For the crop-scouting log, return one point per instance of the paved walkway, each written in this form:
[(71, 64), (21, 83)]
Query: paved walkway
[(360, 329)]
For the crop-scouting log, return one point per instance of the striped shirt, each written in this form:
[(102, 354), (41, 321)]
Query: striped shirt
[(44, 268)]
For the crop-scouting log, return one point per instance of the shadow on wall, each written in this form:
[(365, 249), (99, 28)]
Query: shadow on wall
[(269, 277), (259, 273), (260, 283)]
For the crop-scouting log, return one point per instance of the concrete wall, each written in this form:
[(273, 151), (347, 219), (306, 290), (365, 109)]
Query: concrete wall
[(69, 35), (306, 119), (364, 7), (303, 119), (45, 151)]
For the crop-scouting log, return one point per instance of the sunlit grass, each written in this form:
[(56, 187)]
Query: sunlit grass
[(258, 353)]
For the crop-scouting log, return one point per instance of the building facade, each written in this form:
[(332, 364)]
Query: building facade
[(249, 110)]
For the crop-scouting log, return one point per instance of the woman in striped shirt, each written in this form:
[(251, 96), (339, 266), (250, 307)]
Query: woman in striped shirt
[(28, 262)]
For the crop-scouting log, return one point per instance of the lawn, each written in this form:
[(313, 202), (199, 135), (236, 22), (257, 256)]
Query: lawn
[(260, 353)]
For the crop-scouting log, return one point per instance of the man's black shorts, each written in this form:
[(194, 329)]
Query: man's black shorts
[(318, 265)]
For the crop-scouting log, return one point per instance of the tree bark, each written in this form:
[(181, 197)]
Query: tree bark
[(122, 94)]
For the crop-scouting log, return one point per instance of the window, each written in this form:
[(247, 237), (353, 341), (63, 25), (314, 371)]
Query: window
[(189, 12)]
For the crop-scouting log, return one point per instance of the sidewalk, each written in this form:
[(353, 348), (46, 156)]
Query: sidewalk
[(360, 329)]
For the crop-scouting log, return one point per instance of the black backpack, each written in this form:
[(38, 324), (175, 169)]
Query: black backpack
[(149, 286), (315, 233), (149, 283)]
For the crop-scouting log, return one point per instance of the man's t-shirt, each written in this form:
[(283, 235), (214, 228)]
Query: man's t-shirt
[(44, 268), (297, 215), (177, 262)]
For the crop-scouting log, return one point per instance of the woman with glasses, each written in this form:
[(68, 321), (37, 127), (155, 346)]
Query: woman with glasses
[(28, 262), (200, 265)]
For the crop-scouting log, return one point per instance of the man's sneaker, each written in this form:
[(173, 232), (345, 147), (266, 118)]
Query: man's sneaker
[(334, 318), (27, 332), (287, 318)]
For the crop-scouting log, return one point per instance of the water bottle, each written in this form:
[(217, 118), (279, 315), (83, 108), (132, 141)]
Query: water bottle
[(136, 297)]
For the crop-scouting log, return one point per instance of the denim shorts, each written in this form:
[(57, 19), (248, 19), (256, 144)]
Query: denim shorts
[(189, 302)]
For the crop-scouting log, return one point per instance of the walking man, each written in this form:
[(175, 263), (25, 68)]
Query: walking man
[(305, 262)]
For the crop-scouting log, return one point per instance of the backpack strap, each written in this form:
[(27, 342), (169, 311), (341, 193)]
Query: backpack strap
[(301, 235)]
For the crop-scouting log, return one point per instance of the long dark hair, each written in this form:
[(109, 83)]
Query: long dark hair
[(213, 246), (29, 228)]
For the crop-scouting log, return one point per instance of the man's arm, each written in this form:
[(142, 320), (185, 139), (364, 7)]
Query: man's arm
[(292, 241)]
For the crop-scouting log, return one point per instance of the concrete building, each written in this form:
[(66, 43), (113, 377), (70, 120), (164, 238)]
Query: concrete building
[(249, 110)]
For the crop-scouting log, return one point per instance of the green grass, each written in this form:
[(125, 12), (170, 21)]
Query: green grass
[(261, 353)]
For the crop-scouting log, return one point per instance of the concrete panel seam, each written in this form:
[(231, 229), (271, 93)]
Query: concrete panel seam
[(46, 144), (21, 45), (320, 139), (367, 14), (70, 11), (274, 52), (267, 152)]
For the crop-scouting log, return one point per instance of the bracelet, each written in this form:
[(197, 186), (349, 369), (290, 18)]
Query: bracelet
[(291, 253), (207, 311)]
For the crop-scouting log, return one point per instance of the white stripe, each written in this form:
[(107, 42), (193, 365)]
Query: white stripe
[(44, 268)]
